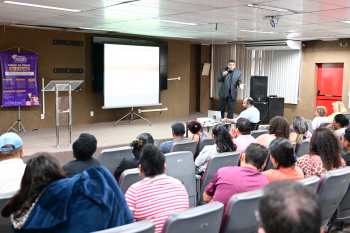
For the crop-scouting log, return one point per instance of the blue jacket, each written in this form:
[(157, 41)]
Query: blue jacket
[(87, 202)]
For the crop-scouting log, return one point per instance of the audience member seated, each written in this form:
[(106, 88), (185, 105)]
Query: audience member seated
[(324, 155), (320, 113), (232, 180), (340, 122), (127, 163), (279, 128), (251, 113), (288, 206), (195, 129), (242, 131), (178, 131), (11, 164), (223, 143), (338, 108), (282, 158), (300, 131), (157, 196), (346, 146), (47, 202), (83, 150)]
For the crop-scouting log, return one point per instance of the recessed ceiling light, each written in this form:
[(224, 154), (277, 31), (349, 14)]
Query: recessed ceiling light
[(271, 8), (171, 21), (41, 6), (345, 21)]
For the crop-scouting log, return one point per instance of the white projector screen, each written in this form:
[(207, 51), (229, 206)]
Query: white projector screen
[(131, 76)]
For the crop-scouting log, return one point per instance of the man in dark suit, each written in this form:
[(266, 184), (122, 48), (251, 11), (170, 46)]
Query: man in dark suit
[(230, 78)]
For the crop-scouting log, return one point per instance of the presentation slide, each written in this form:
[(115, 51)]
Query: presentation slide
[(131, 76)]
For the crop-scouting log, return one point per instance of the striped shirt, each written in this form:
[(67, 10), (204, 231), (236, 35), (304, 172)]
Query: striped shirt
[(156, 198)]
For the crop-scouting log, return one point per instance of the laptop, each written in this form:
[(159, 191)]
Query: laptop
[(215, 115)]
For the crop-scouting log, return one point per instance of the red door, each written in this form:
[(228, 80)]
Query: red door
[(329, 85)]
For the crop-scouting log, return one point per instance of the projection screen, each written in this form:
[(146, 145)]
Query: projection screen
[(131, 76)]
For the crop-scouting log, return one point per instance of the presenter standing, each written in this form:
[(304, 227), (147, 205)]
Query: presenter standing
[(230, 78)]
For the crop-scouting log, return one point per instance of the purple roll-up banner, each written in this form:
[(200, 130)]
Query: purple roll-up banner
[(19, 76)]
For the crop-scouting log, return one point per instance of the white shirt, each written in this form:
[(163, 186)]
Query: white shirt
[(252, 114), (317, 121), (204, 156), (11, 173)]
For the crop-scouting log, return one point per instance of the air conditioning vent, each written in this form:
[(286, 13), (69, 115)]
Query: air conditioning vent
[(273, 45)]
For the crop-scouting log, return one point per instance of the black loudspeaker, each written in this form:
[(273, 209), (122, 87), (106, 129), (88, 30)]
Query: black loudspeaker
[(258, 88), (276, 107), (263, 108)]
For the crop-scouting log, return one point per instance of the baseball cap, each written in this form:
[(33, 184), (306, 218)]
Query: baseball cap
[(10, 139), (178, 128)]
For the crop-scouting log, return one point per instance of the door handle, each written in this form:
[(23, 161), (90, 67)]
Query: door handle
[(318, 92)]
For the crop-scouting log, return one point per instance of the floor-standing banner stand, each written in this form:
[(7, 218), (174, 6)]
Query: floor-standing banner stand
[(63, 104), (19, 74)]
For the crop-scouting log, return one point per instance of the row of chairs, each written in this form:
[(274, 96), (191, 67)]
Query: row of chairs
[(300, 151), (240, 214), (331, 189), (111, 158), (180, 166)]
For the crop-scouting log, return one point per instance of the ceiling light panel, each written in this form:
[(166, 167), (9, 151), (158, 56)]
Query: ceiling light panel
[(82, 3), (41, 6), (169, 5)]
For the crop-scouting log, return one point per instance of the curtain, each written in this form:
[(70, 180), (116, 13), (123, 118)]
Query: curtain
[(283, 71), (282, 67), (221, 54)]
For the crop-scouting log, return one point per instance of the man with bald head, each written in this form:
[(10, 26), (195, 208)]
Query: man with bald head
[(289, 206), (250, 113)]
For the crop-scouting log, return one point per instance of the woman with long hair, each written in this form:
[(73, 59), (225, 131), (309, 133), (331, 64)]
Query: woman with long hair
[(338, 108), (300, 130), (49, 202), (278, 128), (324, 154), (41, 171), (223, 143), (137, 145), (282, 158)]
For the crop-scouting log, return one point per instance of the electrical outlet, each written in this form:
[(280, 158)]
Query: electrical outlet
[(92, 113), (42, 116)]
